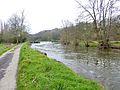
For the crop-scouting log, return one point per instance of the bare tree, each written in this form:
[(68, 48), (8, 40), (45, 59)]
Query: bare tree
[(101, 12), (17, 26), (65, 35), (1, 32)]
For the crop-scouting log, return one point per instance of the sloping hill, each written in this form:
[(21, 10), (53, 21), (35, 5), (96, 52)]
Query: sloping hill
[(47, 35)]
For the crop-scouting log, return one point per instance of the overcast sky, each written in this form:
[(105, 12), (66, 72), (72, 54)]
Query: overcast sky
[(41, 14)]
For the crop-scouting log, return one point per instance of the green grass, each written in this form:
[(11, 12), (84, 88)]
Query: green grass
[(91, 44), (38, 72), (5, 47), (115, 43)]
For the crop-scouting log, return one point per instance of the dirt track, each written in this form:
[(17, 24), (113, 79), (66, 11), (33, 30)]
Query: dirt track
[(8, 69)]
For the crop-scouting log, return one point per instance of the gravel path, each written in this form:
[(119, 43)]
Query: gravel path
[(8, 69)]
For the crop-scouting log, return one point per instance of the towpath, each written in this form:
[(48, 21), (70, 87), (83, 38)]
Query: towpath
[(8, 68)]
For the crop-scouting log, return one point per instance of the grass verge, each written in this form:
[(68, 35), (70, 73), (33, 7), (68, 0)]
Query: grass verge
[(38, 72), (115, 43), (5, 47)]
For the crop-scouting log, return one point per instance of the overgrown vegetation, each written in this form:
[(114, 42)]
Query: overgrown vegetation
[(99, 20), (38, 72), (5, 47), (84, 33), (14, 30)]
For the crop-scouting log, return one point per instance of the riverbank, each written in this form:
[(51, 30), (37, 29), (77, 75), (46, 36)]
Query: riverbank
[(38, 72), (95, 43)]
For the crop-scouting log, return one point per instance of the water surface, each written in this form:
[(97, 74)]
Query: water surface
[(103, 66)]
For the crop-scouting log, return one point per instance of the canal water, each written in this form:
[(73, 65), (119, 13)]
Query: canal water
[(103, 66)]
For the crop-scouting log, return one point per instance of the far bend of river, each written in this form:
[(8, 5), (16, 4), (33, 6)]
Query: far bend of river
[(103, 66)]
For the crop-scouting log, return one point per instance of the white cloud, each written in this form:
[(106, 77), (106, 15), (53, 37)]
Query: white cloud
[(41, 14)]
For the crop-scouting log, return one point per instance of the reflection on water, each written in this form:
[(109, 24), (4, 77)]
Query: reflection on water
[(104, 66)]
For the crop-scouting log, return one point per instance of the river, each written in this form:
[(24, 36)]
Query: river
[(100, 65)]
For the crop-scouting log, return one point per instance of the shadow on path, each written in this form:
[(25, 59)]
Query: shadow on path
[(4, 63)]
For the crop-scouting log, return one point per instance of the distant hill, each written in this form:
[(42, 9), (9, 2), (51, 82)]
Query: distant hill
[(46, 35)]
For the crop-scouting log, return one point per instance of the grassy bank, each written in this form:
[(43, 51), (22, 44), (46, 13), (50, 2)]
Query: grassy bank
[(38, 72), (5, 47), (91, 44), (95, 43), (115, 43)]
